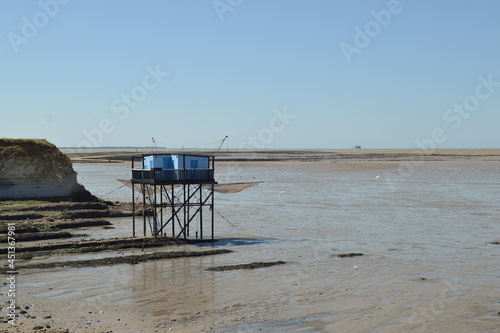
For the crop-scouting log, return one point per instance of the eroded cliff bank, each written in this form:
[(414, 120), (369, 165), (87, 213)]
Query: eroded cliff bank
[(37, 169)]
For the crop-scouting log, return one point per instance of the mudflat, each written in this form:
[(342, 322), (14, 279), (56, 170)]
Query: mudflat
[(425, 154), (428, 237)]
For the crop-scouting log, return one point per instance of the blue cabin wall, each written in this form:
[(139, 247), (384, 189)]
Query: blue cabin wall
[(196, 162), (153, 162), (177, 164), (169, 162)]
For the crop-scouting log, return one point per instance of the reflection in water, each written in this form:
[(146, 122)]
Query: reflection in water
[(225, 242)]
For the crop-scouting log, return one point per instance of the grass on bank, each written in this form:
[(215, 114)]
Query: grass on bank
[(23, 204), (112, 261)]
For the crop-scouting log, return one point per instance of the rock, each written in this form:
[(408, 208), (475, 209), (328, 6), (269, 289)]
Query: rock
[(345, 255), (36, 169)]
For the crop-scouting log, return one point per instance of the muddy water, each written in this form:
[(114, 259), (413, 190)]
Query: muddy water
[(427, 264)]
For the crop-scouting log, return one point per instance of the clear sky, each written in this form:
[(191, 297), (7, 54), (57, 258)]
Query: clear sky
[(269, 74)]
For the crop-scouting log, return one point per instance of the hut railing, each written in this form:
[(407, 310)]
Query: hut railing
[(174, 174)]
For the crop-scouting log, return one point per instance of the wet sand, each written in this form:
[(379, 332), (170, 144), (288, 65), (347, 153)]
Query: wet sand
[(311, 155), (430, 263), (379, 294)]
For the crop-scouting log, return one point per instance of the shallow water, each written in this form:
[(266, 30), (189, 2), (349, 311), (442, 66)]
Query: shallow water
[(427, 263)]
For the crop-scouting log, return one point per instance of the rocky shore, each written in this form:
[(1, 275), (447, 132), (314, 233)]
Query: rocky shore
[(51, 229), (35, 169), (36, 220)]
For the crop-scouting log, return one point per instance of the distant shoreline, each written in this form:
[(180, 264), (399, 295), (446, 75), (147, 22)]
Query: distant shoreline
[(101, 155)]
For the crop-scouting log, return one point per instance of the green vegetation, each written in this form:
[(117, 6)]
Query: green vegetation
[(25, 228), (21, 147), (52, 159), (24, 237), (347, 255), (96, 246), (252, 265), (23, 204), (20, 228), (132, 259)]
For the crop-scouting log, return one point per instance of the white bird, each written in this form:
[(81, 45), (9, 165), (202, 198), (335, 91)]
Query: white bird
[(356, 267), (377, 177), (281, 192)]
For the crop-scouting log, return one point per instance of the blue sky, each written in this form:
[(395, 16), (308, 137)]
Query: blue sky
[(269, 74)]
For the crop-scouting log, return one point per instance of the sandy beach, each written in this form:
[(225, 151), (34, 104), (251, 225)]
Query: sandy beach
[(426, 225)]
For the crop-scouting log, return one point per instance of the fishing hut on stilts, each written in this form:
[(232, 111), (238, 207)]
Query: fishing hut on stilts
[(176, 193)]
